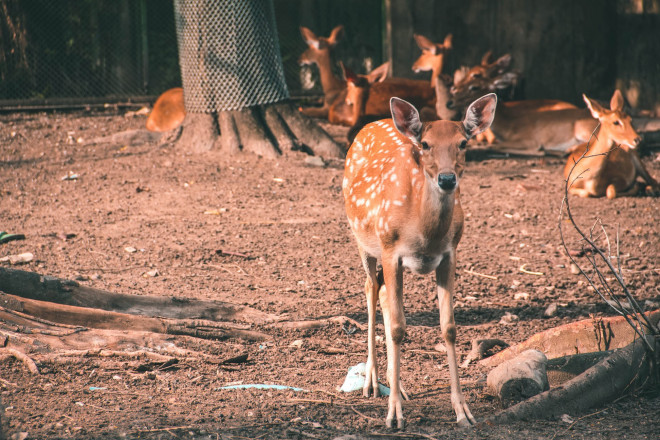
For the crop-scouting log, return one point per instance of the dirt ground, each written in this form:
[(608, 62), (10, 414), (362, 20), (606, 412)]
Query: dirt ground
[(288, 218)]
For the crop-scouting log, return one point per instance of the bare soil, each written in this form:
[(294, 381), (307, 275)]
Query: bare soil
[(288, 218)]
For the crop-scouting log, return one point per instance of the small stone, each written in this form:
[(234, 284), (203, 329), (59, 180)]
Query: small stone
[(297, 343), (315, 161), (508, 318), (575, 270), (521, 296), (130, 249), (550, 311)]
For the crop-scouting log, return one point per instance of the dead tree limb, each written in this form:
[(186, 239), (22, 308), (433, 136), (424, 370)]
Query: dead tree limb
[(610, 378)]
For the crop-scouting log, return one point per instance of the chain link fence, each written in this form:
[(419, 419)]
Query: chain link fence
[(81, 50)]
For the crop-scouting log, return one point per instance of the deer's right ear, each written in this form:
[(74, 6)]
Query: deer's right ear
[(406, 119), (336, 34), (379, 73), (310, 37), (480, 114), (596, 109)]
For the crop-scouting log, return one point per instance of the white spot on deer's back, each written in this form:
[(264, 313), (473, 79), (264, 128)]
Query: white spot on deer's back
[(397, 202)]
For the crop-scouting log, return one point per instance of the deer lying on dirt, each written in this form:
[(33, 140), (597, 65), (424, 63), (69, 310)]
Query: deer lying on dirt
[(168, 112), (401, 190), (530, 125), (608, 165), (465, 78), (319, 52)]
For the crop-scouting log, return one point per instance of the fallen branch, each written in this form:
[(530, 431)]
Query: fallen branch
[(607, 380), (479, 349), (12, 352), (576, 337), (471, 272)]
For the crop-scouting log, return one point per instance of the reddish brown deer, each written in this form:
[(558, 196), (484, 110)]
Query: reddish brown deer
[(401, 189), (351, 104), (433, 55), (319, 52), (168, 112), (608, 165)]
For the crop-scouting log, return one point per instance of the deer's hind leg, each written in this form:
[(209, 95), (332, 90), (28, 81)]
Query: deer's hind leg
[(371, 286)]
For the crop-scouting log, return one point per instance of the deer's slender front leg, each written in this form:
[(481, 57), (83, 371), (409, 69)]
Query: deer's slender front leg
[(371, 287), (445, 281), (391, 301)]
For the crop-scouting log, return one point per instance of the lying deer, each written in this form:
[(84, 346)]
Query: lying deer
[(533, 125), (401, 189), (319, 52), (168, 112), (609, 165), (484, 71)]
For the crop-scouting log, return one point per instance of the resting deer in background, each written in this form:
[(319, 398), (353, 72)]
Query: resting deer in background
[(401, 190), (319, 52), (433, 55), (532, 125), (168, 112), (609, 165), (351, 104), (486, 70)]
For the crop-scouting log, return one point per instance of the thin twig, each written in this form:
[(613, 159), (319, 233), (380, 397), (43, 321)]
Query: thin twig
[(471, 272), (575, 422)]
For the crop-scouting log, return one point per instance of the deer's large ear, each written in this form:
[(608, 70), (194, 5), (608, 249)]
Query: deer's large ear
[(379, 73), (503, 62), (406, 119), (349, 75), (425, 44), (597, 110), (336, 35), (310, 37), (480, 114), (485, 60), (616, 103), (448, 43)]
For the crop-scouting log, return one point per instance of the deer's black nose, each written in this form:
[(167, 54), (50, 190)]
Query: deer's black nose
[(447, 181)]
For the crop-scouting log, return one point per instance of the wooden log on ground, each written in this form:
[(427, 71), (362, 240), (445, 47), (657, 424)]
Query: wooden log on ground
[(519, 378), (584, 336), (103, 319), (46, 288), (602, 383)]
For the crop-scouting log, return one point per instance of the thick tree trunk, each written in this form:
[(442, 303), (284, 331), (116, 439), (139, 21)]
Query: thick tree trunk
[(268, 130)]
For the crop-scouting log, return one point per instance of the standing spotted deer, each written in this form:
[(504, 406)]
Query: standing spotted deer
[(401, 189)]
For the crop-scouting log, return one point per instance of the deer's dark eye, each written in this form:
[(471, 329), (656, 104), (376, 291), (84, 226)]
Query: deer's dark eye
[(617, 122), (462, 145), (425, 146)]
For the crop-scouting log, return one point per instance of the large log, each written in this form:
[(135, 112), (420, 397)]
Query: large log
[(56, 290)]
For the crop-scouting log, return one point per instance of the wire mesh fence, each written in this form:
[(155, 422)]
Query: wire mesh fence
[(63, 50)]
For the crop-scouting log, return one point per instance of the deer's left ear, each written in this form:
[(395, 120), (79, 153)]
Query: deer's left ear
[(406, 119), (480, 114), (616, 103)]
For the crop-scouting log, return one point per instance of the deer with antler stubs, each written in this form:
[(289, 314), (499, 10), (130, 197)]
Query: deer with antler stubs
[(608, 165), (401, 189)]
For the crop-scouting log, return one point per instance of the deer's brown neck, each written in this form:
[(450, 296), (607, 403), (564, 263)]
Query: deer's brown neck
[(329, 82)]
